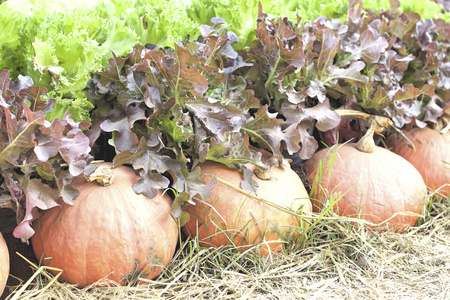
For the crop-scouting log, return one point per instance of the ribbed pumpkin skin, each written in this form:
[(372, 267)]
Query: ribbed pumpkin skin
[(4, 264), (245, 220), (377, 185), (110, 232), (432, 149)]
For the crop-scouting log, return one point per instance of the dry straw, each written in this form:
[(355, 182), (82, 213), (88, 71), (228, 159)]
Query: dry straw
[(341, 261)]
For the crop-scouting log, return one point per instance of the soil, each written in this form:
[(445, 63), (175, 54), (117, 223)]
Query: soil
[(298, 168), (20, 270)]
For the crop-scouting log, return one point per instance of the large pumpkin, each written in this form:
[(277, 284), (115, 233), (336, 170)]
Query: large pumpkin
[(4, 264), (429, 157), (110, 233), (230, 216), (375, 184)]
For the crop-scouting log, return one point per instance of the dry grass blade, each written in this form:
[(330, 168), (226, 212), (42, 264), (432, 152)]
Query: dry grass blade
[(313, 216), (341, 261), (39, 270)]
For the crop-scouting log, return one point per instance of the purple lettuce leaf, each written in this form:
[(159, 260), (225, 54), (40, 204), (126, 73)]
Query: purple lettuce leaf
[(299, 95), (214, 117), (20, 133), (265, 130), (38, 196), (329, 47), (413, 69), (113, 72), (38, 159), (173, 69), (405, 65), (234, 152), (275, 55), (320, 116), (123, 137), (166, 111), (151, 166), (195, 187)]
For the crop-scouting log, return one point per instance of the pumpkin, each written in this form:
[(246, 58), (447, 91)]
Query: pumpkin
[(110, 232), (432, 150), (4, 264), (231, 216), (375, 184)]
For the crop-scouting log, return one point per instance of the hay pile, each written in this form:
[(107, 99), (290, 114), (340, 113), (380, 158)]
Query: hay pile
[(340, 262)]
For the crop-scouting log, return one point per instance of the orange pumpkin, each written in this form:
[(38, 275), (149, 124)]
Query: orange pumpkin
[(110, 233), (4, 264), (429, 157), (370, 182), (230, 216)]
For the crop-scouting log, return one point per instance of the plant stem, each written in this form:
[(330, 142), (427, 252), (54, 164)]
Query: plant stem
[(366, 143), (376, 125), (103, 175)]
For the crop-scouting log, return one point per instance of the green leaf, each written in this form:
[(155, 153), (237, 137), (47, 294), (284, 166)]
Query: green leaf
[(178, 204), (78, 108), (184, 218), (45, 58), (379, 100), (118, 37), (174, 129)]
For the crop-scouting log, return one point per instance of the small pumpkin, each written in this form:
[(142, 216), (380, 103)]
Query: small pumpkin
[(110, 232), (432, 150), (378, 186), (232, 216), (4, 264)]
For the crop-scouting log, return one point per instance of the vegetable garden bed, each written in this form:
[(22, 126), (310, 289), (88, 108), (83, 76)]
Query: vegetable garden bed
[(195, 155)]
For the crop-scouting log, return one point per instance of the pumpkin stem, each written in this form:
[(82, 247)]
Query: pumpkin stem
[(443, 123), (376, 125), (367, 143), (262, 174), (104, 175)]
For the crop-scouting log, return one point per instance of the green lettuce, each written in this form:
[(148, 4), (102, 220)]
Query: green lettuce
[(157, 22), (59, 44)]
